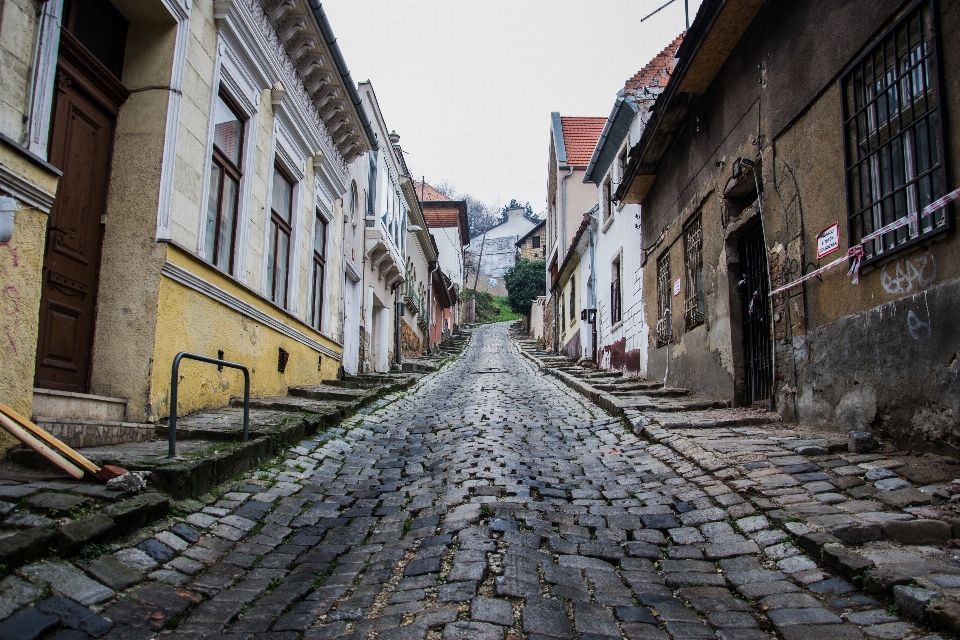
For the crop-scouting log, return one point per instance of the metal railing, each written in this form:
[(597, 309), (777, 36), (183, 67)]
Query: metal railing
[(175, 383)]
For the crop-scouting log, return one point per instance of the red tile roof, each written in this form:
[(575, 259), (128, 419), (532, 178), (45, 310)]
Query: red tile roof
[(427, 193), (656, 74), (580, 136), (448, 213)]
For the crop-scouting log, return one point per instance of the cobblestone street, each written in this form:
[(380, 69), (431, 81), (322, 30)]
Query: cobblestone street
[(489, 501)]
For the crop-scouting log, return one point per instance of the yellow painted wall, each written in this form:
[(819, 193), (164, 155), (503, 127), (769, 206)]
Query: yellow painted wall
[(191, 321), (21, 270)]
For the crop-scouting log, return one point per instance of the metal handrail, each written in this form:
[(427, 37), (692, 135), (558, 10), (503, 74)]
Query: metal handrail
[(175, 383)]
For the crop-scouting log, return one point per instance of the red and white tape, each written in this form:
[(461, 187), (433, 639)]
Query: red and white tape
[(855, 253)]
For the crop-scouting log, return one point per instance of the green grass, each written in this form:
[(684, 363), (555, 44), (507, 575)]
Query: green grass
[(491, 308)]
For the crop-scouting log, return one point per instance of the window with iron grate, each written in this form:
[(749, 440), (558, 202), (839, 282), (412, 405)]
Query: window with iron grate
[(616, 313), (694, 305), (573, 299), (663, 298), (893, 135)]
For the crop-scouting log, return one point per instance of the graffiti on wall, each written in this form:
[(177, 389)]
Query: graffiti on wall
[(909, 274)]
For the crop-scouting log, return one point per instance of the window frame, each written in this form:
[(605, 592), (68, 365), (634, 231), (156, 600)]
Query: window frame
[(884, 91), (664, 294), (694, 316), (235, 173), (276, 220), (616, 290), (572, 311), (319, 262)]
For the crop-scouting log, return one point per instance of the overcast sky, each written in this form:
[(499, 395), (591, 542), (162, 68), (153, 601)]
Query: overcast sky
[(470, 84)]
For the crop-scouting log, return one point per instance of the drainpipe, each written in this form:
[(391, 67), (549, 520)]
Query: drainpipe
[(397, 338), (433, 269), (592, 300), (563, 214)]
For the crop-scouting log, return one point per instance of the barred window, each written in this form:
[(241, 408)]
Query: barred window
[(663, 298), (695, 306), (573, 299), (616, 313), (893, 135)]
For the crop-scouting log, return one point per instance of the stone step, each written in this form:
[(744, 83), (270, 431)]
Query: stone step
[(669, 406), (629, 386), (78, 406), (302, 404), (327, 392), (79, 433), (671, 392)]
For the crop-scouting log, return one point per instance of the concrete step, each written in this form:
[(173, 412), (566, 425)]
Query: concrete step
[(302, 404), (628, 386), (78, 406), (327, 392), (653, 393), (79, 433), (669, 405)]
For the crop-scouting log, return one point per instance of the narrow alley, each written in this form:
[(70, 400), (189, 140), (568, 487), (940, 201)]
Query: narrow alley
[(488, 501)]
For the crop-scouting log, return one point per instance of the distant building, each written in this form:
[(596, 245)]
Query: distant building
[(531, 246), (494, 252)]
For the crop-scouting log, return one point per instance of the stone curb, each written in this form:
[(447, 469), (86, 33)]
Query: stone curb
[(114, 521)]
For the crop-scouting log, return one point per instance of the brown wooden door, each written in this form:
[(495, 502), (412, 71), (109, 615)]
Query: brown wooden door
[(81, 143)]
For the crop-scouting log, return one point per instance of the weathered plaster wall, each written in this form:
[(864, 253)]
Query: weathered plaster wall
[(21, 264), (843, 350), (131, 262), (191, 321)]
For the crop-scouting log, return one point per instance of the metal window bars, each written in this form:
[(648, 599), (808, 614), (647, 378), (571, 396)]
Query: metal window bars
[(694, 305), (663, 298), (894, 134)]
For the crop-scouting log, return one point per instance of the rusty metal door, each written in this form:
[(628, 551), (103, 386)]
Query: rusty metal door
[(81, 143), (756, 317)]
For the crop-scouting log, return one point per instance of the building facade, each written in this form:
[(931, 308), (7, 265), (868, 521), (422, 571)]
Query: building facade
[(491, 254), (758, 168), (615, 287), (531, 246), (204, 150), (572, 141)]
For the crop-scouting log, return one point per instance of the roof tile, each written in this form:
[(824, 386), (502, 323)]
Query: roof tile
[(580, 136)]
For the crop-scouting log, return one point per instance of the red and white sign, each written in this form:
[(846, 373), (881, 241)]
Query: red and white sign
[(829, 240), (676, 287)]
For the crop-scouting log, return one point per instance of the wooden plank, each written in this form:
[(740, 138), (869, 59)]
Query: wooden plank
[(51, 441), (27, 438)]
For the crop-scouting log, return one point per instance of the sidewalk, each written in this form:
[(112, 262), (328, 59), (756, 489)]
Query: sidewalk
[(841, 525)]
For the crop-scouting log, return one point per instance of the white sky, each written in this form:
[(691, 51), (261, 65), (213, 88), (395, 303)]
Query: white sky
[(470, 84)]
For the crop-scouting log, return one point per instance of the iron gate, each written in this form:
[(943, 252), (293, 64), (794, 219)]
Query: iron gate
[(756, 316)]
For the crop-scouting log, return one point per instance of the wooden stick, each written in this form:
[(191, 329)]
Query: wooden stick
[(51, 441), (52, 456)]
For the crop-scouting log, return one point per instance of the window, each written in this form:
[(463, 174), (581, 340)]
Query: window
[(221, 227), (319, 262), (616, 314), (535, 242), (893, 135), (278, 256), (664, 281), (694, 307), (605, 204), (372, 188), (622, 162), (352, 204), (573, 299)]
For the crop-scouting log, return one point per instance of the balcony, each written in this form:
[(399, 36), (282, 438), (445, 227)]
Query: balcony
[(384, 258)]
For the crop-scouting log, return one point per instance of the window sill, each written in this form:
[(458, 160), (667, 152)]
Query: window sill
[(607, 223), (618, 325)]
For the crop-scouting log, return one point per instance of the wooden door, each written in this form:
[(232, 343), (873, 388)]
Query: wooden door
[(81, 142)]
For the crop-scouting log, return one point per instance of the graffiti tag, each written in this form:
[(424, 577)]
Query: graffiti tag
[(909, 274)]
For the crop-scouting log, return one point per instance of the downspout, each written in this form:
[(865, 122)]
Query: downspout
[(562, 252), (592, 300), (343, 290), (31, 96), (433, 269), (398, 318)]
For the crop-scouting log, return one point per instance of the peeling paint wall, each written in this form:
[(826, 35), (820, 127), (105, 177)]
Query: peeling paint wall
[(880, 354)]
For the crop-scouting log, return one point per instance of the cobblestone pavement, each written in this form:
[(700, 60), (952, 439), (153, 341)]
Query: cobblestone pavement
[(488, 502)]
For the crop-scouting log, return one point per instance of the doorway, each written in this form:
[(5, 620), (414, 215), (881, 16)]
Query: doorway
[(86, 102), (755, 314)]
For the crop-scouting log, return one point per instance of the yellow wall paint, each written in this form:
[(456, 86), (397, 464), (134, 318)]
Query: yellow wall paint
[(21, 274), (191, 321)]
